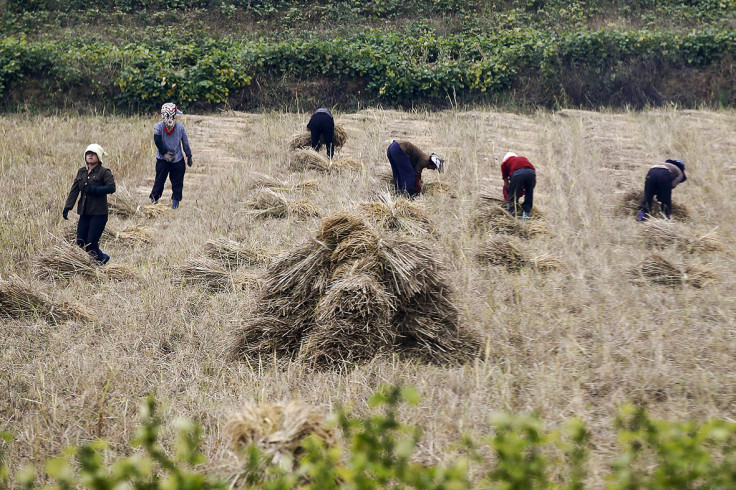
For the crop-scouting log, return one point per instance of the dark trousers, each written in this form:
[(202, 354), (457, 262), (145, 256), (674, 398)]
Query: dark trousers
[(175, 172), (89, 231), (658, 183), (403, 170), (523, 178), (322, 125)]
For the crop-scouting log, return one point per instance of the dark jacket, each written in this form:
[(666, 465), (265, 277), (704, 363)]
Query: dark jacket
[(92, 189)]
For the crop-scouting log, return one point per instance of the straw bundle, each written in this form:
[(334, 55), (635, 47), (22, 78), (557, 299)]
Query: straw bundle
[(346, 164), (491, 213), (19, 299), (658, 270), (277, 430), (344, 296), (263, 180), (129, 234), (506, 251), (304, 140), (235, 254), (122, 203), (436, 188), (398, 214), (269, 204), (64, 261), (663, 233), (213, 275), (306, 159), (698, 277), (631, 200)]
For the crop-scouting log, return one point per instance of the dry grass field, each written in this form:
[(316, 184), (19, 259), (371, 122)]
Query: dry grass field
[(577, 339)]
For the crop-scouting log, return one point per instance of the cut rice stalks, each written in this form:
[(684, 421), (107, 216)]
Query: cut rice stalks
[(664, 233), (656, 269), (236, 254), (506, 251), (129, 234), (269, 204), (19, 299), (64, 261), (631, 200), (263, 180), (304, 140), (213, 275), (397, 214)]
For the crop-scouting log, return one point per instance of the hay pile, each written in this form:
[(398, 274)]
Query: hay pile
[(269, 204), (491, 213), (506, 251), (122, 203), (263, 180), (397, 214), (664, 233), (64, 261), (129, 234), (304, 140), (277, 430), (631, 200), (18, 299), (656, 269), (236, 254), (213, 275), (351, 293), (308, 159)]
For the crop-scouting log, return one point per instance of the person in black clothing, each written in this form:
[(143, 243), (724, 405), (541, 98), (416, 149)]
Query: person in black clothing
[(322, 126), (661, 179), (92, 185)]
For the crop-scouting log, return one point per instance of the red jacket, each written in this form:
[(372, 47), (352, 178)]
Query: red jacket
[(511, 165)]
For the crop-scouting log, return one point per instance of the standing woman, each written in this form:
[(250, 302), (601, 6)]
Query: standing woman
[(661, 179), (92, 185), (169, 137), (322, 125)]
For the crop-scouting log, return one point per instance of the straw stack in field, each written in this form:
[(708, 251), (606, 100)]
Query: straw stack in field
[(213, 275), (664, 233), (631, 200), (350, 293), (19, 299), (656, 269), (278, 431), (236, 254), (491, 213), (397, 213), (269, 204), (507, 251), (259, 179), (304, 140), (64, 261)]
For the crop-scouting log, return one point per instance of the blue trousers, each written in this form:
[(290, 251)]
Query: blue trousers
[(89, 231), (658, 183), (403, 170), (175, 172), (524, 178)]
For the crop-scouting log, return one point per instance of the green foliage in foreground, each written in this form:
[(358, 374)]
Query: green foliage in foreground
[(654, 454), (387, 67)]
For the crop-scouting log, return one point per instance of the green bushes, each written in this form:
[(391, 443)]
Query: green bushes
[(379, 454), (393, 68)]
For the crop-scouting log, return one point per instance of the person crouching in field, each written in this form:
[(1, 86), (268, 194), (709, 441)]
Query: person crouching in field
[(170, 136), (519, 179), (407, 163), (322, 125), (92, 185), (661, 179)]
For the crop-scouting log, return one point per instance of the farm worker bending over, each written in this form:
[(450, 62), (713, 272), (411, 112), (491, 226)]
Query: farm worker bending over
[(519, 179), (321, 124), (170, 136), (407, 163), (661, 179), (92, 185)]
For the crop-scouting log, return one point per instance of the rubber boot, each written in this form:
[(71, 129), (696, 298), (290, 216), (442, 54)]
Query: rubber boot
[(174, 204), (642, 216), (102, 257)]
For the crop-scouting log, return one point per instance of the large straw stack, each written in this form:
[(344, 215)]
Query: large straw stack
[(350, 293), (19, 299), (277, 430), (304, 140)]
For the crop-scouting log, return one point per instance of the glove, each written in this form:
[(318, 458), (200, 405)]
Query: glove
[(65, 213), (189, 161), (92, 190), (169, 156)]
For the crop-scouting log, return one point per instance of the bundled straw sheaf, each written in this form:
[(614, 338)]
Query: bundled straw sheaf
[(664, 233), (436, 188), (277, 430), (304, 140), (506, 251), (19, 299), (308, 159), (64, 261), (491, 213), (129, 234), (263, 180), (213, 275), (631, 200), (398, 214), (353, 292), (236, 254), (656, 269), (269, 204), (122, 203)]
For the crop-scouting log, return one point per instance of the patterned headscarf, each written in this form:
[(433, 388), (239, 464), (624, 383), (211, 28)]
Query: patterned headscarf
[(168, 114)]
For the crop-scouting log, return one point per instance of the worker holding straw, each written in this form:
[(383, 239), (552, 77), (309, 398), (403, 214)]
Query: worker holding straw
[(661, 179), (408, 162)]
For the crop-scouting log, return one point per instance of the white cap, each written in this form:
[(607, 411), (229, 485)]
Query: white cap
[(508, 155), (97, 150)]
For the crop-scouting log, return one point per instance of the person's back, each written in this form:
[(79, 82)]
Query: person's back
[(322, 128)]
